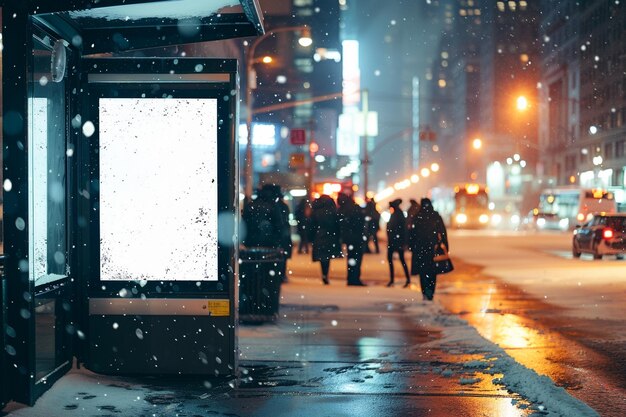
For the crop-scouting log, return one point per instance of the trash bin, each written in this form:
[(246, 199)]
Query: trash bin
[(261, 272)]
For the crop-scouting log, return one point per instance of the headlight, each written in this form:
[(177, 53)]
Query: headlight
[(580, 217), (483, 218), (541, 222), (461, 218), (564, 224), (496, 219), (515, 219)]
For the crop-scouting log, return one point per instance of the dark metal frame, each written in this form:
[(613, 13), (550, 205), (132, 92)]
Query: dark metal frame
[(88, 173), (20, 19), (227, 200)]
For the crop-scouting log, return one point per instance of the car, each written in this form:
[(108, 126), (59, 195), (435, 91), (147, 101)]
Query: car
[(604, 234), (537, 220)]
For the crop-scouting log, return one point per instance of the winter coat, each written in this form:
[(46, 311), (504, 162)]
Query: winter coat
[(264, 223), (414, 208), (285, 235), (302, 215), (372, 218), (326, 231), (396, 230), (352, 224), (423, 237)]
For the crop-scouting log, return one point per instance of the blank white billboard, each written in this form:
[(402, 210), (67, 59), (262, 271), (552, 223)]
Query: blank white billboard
[(158, 189)]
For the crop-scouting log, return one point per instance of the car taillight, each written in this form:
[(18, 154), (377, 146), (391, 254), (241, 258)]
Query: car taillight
[(607, 233)]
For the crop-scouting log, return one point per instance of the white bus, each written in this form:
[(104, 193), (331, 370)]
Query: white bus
[(571, 206)]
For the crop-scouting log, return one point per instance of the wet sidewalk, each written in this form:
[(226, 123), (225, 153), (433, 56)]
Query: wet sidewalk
[(334, 351)]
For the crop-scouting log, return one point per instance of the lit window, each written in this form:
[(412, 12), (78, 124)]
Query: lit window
[(524, 58), (462, 12), (523, 5), (442, 83), (500, 6), (512, 5)]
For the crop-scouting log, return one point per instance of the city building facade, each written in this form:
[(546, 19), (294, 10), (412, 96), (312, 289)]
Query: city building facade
[(583, 91)]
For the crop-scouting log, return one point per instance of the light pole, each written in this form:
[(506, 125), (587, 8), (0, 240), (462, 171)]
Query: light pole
[(305, 40), (366, 160)]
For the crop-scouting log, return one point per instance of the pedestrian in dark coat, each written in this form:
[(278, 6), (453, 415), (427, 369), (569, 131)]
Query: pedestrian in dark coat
[(267, 224), (302, 215), (414, 208), (263, 219), (396, 240), (286, 244), (352, 226), (325, 228), (372, 224), (425, 232)]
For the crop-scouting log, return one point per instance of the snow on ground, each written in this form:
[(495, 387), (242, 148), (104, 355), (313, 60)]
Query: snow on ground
[(543, 396)]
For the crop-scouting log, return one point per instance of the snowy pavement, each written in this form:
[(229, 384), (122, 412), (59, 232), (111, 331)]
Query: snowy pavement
[(335, 351)]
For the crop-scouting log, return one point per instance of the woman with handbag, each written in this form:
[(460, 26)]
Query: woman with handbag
[(426, 233)]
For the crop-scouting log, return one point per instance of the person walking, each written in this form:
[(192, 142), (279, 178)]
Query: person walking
[(266, 222), (372, 225), (396, 240), (414, 208), (303, 215), (426, 231), (326, 232), (286, 244), (352, 226), (263, 219)]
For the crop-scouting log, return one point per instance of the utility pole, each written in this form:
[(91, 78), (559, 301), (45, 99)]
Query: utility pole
[(365, 161), (310, 166)]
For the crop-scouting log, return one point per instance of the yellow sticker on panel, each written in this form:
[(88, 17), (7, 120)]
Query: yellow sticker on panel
[(219, 308)]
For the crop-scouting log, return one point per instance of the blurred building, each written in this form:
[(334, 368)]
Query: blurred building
[(395, 44), (298, 73), (453, 98), (583, 94), (509, 72)]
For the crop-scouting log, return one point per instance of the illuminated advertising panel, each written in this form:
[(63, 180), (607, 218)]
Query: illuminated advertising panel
[(158, 216)]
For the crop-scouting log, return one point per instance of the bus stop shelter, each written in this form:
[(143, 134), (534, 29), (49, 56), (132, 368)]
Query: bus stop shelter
[(120, 190)]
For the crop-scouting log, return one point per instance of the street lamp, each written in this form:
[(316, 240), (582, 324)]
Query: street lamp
[(522, 103), (477, 143), (305, 40)]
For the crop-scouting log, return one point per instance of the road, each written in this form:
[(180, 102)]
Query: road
[(562, 317)]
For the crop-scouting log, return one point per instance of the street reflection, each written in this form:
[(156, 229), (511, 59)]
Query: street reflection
[(498, 316)]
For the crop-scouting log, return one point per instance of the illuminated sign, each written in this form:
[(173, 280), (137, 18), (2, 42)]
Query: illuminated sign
[(263, 135), (158, 189)]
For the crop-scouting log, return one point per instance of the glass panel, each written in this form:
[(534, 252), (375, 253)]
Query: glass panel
[(47, 171), (158, 189), (1, 153), (46, 340)]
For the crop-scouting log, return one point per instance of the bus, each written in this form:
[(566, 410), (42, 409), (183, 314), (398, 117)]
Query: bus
[(464, 206), (571, 206)]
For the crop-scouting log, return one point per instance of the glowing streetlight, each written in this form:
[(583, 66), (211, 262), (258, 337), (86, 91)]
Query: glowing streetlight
[(434, 167), (425, 172), (304, 40), (522, 103), (477, 143)]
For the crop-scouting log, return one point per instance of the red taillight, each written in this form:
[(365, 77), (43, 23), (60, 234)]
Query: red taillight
[(607, 233)]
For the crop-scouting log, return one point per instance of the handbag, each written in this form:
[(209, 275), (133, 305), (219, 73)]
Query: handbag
[(441, 258)]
